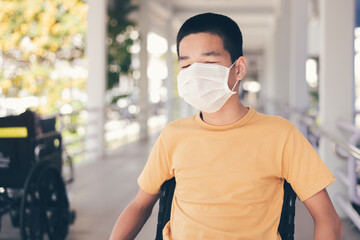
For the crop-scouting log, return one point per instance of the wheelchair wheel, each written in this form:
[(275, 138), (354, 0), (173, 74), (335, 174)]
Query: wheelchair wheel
[(44, 212)]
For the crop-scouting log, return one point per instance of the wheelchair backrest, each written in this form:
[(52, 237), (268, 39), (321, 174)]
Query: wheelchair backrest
[(17, 143), (48, 124), (287, 220)]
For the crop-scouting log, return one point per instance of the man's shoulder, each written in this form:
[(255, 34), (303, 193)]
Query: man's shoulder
[(180, 124), (274, 122)]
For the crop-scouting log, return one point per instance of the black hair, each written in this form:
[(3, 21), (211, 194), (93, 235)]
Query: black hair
[(217, 24)]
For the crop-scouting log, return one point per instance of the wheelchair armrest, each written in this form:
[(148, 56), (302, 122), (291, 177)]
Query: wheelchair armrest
[(48, 136), (43, 141)]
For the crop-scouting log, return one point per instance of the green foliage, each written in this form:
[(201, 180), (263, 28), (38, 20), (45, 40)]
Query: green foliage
[(120, 38), (34, 36)]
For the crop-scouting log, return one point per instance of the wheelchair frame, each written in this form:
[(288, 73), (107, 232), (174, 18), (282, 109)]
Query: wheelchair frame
[(32, 190), (287, 219)]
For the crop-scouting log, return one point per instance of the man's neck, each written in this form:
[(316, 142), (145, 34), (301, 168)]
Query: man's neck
[(231, 112)]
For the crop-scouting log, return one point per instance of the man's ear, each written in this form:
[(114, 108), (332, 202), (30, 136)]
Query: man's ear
[(240, 68)]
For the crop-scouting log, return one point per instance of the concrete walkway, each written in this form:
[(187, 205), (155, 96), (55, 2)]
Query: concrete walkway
[(103, 188)]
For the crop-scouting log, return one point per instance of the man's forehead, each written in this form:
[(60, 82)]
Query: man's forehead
[(209, 44)]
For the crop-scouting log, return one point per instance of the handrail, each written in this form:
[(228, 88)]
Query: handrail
[(80, 141), (81, 110), (351, 154), (348, 127), (69, 144), (351, 149)]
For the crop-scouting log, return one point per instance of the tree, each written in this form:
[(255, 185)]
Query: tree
[(36, 37), (42, 46), (121, 37)]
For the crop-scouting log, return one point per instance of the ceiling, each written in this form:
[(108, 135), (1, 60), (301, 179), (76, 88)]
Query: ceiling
[(256, 18)]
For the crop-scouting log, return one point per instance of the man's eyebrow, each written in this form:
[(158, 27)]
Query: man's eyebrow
[(183, 58), (211, 53)]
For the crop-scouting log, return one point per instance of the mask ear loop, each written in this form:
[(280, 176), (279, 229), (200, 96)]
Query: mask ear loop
[(236, 81), (235, 85)]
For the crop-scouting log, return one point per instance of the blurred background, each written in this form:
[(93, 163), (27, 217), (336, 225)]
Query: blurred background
[(107, 71)]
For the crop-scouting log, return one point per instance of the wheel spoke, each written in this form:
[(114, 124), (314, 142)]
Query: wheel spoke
[(46, 220), (45, 207)]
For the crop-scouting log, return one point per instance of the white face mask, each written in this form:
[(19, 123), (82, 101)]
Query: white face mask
[(205, 86)]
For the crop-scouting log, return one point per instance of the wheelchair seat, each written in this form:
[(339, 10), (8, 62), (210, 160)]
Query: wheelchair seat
[(287, 219)]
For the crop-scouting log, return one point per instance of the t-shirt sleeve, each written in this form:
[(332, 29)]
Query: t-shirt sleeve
[(302, 166), (157, 170)]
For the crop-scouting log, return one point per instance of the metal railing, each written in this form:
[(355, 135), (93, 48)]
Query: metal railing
[(345, 150), (119, 128), (78, 141), (318, 131), (348, 147)]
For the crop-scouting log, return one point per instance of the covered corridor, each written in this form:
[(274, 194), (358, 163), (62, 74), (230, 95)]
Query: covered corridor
[(295, 50)]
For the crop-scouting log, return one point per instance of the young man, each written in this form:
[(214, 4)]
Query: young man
[(228, 160)]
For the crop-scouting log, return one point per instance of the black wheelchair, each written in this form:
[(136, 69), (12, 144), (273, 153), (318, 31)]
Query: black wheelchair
[(32, 190), (285, 228)]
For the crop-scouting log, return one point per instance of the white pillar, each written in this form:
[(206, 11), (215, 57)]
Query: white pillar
[(95, 85), (298, 89), (143, 84), (268, 89), (282, 55), (336, 78), (262, 80), (170, 67), (279, 56), (182, 108), (191, 110)]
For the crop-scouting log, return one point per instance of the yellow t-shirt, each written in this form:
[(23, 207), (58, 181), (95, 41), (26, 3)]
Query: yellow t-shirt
[(229, 179)]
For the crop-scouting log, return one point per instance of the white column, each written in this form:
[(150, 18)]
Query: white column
[(95, 85), (143, 84), (182, 108), (191, 110), (298, 89), (279, 57), (170, 67), (336, 78), (282, 55), (268, 89), (262, 80)]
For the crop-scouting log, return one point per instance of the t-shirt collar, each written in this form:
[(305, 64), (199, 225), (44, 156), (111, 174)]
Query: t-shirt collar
[(239, 123)]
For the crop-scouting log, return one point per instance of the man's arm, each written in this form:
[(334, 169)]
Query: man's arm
[(132, 219), (328, 225)]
